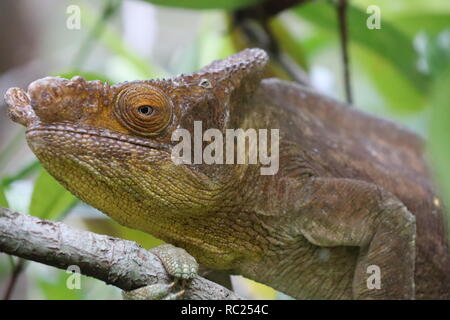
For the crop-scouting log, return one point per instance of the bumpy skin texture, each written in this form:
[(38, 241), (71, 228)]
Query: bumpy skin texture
[(178, 263), (352, 190)]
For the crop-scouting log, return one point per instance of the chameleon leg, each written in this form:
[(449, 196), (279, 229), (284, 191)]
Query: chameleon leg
[(178, 263), (344, 212)]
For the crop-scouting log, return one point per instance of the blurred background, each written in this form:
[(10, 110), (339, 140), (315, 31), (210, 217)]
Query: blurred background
[(399, 53)]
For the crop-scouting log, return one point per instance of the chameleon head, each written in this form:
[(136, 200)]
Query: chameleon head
[(135, 108), (111, 145)]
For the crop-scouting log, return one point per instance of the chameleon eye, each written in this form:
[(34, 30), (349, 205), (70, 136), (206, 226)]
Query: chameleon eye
[(143, 109)]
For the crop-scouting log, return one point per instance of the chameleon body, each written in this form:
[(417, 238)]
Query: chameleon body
[(352, 192)]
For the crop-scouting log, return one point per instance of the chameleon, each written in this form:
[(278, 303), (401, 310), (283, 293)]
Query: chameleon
[(353, 192)]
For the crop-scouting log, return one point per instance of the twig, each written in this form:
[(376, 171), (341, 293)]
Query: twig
[(253, 22), (17, 270), (343, 34), (119, 262)]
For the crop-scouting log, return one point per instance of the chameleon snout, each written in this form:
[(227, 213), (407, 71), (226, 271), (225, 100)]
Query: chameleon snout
[(55, 100), (19, 106), (60, 100)]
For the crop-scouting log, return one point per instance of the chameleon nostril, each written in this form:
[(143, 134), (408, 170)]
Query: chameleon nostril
[(16, 97), (205, 83)]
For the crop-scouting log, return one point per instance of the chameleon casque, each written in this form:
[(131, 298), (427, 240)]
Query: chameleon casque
[(352, 190)]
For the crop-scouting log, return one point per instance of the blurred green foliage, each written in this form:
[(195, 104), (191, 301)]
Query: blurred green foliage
[(439, 132), (3, 201), (206, 4), (55, 287), (388, 50), (49, 199), (391, 44)]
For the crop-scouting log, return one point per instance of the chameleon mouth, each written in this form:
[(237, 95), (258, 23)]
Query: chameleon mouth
[(36, 107), (39, 130)]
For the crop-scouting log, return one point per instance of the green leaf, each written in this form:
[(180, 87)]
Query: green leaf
[(3, 201), (50, 200), (437, 52), (388, 42), (21, 174), (398, 92), (412, 24), (439, 132), (55, 287), (15, 190), (206, 4)]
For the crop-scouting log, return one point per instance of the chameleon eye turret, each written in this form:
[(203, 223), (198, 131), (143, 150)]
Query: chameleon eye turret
[(143, 109)]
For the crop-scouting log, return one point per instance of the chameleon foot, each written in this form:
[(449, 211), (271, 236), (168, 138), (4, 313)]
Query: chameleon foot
[(179, 264)]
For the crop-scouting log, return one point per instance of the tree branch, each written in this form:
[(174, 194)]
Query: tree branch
[(119, 262)]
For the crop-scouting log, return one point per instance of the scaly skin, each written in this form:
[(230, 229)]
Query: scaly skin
[(351, 191)]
